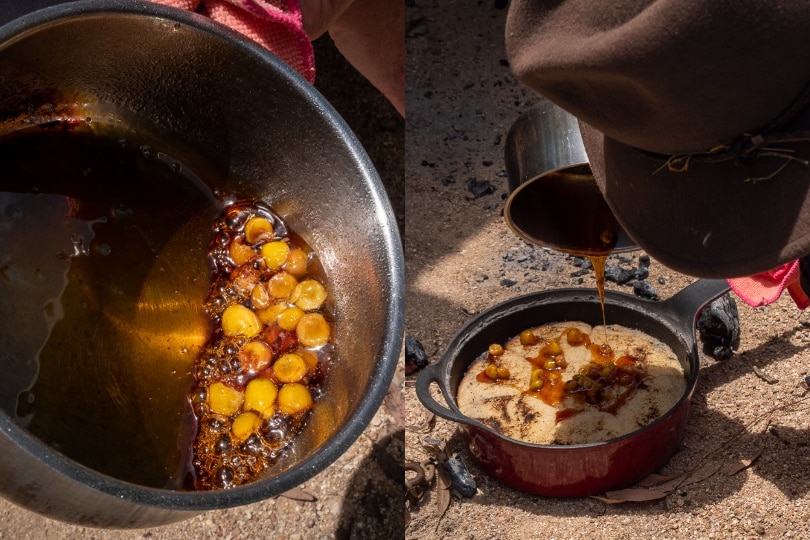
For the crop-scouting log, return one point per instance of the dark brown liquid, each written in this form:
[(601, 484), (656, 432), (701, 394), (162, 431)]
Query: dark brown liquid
[(566, 211), (102, 275)]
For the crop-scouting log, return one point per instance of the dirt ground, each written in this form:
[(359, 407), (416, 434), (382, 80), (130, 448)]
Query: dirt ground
[(461, 259)]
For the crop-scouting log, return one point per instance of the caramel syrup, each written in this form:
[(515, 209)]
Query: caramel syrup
[(598, 263), (606, 383), (103, 240)]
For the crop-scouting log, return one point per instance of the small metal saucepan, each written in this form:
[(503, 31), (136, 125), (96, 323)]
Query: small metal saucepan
[(554, 200), (577, 469)]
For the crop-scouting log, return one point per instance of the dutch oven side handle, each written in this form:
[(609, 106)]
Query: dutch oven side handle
[(427, 376), (685, 306)]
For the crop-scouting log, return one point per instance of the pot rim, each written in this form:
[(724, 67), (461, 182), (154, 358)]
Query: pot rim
[(388, 358)]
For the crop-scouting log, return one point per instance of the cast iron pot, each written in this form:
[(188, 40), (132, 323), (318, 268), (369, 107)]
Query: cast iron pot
[(577, 469), (259, 130)]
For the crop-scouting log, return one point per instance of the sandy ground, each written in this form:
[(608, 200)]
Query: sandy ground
[(361, 494), (461, 259)]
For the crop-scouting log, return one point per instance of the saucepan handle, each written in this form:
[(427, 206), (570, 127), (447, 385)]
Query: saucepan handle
[(686, 305), (428, 375)]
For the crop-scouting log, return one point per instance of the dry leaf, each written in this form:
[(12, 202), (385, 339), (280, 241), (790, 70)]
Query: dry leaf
[(430, 470), (419, 475), (737, 466), (692, 477), (701, 474), (673, 482), (433, 445), (443, 492), (632, 495), (655, 480), (663, 486), (298, 494)]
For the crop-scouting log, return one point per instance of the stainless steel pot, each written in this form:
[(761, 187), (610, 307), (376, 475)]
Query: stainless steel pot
[(215, 99), (554, 200)]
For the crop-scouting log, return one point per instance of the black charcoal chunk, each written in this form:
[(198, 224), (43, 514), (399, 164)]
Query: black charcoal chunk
[(719, 328), (415, 357), (460, 478), (644, 289), (479, 188), (617, 274)]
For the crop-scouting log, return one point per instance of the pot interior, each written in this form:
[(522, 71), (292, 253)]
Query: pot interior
[(100, 323)]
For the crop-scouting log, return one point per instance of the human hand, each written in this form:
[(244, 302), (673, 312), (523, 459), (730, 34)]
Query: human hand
[(370, 34)]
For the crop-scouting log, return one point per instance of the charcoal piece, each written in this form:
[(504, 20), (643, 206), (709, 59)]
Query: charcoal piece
[(719, 328), (644, 289), (582, 262), (643, 270), (617, 274), (415, 357), (641, 273), (479, 188), (460, 478)]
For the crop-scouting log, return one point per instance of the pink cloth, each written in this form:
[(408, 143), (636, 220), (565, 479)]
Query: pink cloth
[(766, 287), (274, 24)]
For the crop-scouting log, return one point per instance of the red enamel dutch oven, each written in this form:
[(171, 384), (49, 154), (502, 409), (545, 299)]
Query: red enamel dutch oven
[(576, 469)]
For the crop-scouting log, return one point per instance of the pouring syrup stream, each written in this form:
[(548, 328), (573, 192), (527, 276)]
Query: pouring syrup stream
[(598, 263)]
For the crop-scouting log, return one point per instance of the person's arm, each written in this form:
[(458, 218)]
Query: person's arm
[(370, 34)]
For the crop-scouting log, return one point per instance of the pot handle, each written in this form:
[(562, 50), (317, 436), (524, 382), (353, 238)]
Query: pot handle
[(687, 304), (427, 376)]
